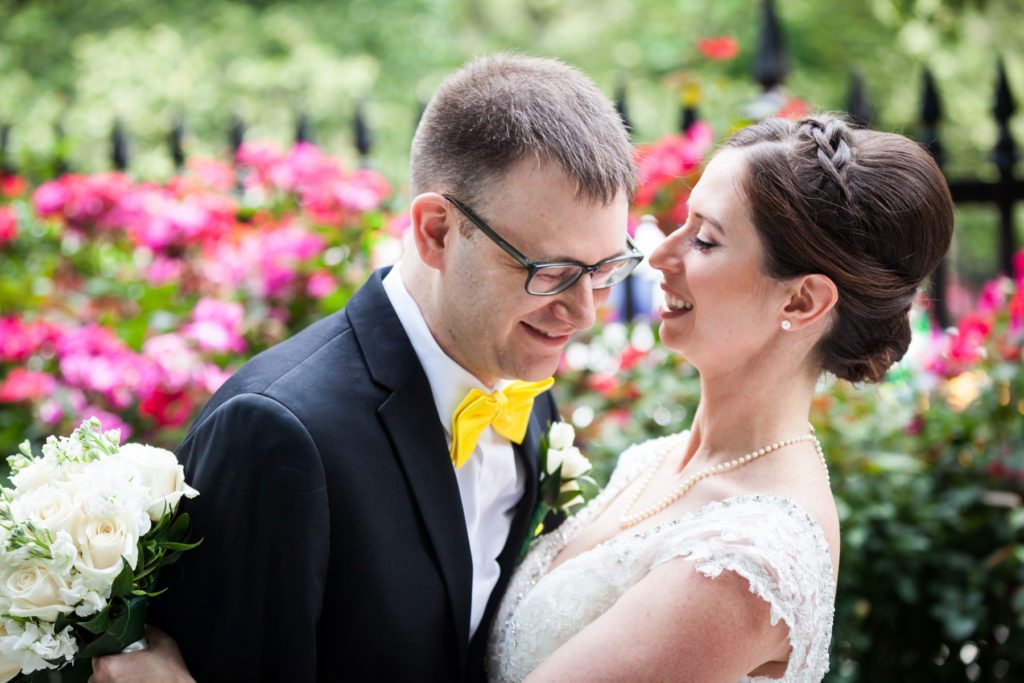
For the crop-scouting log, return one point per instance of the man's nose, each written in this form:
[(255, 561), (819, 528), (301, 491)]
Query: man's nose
[(576, 305)]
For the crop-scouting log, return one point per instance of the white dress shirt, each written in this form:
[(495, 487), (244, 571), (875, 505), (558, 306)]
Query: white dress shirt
[(492, 481)]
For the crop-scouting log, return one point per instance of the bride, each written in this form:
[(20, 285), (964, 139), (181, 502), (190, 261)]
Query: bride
[(712, 555)]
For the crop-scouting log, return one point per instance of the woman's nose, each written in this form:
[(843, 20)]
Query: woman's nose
[(668, 256)]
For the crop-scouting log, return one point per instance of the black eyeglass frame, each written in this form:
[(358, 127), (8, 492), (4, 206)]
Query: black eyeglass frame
[(635, 255)]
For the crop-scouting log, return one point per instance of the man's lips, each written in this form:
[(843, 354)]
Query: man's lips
[(546, 337)]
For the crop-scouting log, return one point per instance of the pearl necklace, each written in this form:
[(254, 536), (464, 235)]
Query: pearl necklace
[(627, 520)]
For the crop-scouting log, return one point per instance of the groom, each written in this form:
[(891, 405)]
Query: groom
[(345, 538)]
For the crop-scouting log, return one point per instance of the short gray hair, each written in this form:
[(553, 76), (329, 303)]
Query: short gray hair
[(497, 110)]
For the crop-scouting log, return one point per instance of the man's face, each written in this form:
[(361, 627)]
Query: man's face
[(489, 324)]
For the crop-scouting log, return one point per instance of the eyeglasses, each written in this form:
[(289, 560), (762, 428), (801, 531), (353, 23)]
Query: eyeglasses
[(548, 279)]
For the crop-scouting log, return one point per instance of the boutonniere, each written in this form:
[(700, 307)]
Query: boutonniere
[(564, 484)]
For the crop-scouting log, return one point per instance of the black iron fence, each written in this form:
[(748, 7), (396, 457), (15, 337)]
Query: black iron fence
[(770, 70)]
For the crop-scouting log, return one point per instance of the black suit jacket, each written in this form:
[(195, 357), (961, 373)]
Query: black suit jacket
[(335, 545)]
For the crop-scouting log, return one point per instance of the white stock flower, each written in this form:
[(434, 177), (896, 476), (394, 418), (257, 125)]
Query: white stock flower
[(33, 590), (111, 488), (9, 668), (561, 435), (33, 643), (40, 472), (161, 475), (573, 462)]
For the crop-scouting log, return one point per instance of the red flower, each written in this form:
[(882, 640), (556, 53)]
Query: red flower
[(794, 109), (972, 332), (8, 224), (719, 49), (630, 357), (606, 385), (12, 185), (167, 409), (26, 385)]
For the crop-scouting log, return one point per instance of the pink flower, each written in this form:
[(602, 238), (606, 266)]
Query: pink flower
[(8, 224), (719, 49), (972, 332), (217, 326), (16, 341), (993, 295), (214, 174), (321, 284), (26, 385), (84, 202), (212, 377), (669, 159), (398, 224), (1018, 267), (163, 270), (108, 420), (175, 359)]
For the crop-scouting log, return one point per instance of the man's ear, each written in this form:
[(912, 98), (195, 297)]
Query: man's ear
[(432, 223), (811, 299)]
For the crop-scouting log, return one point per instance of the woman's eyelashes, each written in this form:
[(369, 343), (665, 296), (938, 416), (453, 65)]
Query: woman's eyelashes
[(701, 245)]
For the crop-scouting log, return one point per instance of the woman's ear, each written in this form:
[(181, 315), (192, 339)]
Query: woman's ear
[(811, 299), (431, 223)]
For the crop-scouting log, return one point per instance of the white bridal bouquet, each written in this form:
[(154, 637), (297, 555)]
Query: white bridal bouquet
[(83, 534)]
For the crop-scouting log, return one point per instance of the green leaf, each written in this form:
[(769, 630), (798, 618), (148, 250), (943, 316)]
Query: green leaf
[(99, 623), (123, 583), (180, 547)]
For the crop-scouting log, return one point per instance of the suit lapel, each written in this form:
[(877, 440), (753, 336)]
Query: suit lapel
[(410, 419)]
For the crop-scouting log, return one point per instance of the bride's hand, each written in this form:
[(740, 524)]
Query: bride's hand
[(160, 662)]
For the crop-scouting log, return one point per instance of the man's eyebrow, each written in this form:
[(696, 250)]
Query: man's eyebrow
[(714, 222)]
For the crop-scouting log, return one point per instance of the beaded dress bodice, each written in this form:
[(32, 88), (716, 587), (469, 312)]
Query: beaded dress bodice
[(768, 540)]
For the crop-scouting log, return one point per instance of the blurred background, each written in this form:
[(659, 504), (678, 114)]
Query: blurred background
[(183, 184)]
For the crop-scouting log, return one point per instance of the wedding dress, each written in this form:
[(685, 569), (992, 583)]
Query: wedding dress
[(766, 539)]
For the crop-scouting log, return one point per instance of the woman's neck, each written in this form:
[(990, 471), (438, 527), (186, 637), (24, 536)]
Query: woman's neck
[(747, 409)]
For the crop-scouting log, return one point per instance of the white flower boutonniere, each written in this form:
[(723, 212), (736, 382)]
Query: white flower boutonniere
[(564, 484)]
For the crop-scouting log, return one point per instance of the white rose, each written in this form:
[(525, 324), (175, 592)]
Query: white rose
[(102, 542), (50, 506), (112, 488), (161, 475), (572, 462), (561, 435), (571, 486), (34, 591), (8, 667)]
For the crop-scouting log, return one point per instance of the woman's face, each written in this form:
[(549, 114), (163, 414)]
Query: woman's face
[(721, 310)]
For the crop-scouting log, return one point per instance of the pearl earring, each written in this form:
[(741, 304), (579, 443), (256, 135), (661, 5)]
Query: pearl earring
[(786, 324)]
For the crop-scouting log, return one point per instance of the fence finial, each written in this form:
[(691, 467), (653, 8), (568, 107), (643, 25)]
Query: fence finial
[(6, 166), (931, 113), (236, 135), (303, 128), (621, 104), (364, 137), (176, 141), (770, 64), (1005, 156), (119, 146), (858, 104)]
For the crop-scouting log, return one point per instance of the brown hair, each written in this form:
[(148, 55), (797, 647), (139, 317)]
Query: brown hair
[(496, 110), (870, 210)]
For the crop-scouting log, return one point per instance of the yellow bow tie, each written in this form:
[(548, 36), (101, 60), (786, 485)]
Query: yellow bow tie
[(508, 411)]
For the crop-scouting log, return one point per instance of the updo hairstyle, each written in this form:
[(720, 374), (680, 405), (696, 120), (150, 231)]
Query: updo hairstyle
[(869, 210)]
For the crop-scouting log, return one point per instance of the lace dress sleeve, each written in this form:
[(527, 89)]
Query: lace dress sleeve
[(781, 551)]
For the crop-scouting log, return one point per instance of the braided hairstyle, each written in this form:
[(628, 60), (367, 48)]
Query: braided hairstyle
[(869, 210)]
